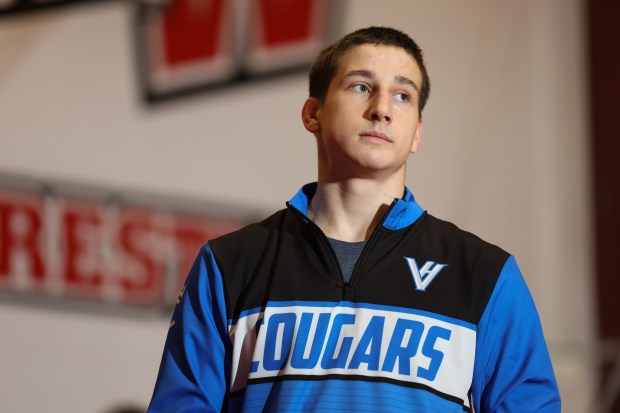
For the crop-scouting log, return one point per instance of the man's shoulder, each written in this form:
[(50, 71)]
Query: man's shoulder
[(250, 236), (449, 234), (476, 264), (238, 254), (451, 231)]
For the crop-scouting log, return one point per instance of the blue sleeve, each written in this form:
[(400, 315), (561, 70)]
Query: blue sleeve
[(195, 369), (513, 371)]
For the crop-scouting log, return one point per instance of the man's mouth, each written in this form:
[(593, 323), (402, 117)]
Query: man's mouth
[(376, 135)]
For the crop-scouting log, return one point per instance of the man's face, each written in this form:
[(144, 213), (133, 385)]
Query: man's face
[(369, 122)]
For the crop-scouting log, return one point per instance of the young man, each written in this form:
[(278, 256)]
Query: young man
[(353, 298)]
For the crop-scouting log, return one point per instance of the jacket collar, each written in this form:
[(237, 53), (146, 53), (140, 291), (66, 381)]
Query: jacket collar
[(404, 212)]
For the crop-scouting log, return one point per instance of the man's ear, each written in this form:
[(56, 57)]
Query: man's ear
[(309, 115), (417, 138)]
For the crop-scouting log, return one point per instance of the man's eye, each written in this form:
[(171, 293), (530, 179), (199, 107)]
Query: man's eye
[(402, 97), (360, 88)]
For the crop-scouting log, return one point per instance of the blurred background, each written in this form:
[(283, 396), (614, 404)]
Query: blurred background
[(133, 131)]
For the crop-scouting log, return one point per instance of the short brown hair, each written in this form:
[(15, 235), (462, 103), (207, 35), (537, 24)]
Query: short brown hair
[(325, 65)]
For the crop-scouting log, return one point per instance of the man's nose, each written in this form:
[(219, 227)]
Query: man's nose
[(379, 110)]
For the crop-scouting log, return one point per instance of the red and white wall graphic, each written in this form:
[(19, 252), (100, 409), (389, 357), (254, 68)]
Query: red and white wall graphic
[(196, 44), (109, 252)]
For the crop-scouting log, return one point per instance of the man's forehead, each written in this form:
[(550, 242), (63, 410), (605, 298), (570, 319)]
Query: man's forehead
[(362, 57)]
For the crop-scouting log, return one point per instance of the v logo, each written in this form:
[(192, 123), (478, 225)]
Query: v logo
[(422, 277)]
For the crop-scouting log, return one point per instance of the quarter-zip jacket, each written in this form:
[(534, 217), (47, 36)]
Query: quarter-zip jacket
[(433, 319)]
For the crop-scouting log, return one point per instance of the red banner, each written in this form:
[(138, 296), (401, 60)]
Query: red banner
[(70, 247)]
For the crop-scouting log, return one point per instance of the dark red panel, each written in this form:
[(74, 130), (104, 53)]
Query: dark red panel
[(286, 21), (192, 30)]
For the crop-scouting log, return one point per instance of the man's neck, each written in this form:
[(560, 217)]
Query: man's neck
[(350, 210)]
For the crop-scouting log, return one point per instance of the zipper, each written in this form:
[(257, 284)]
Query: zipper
[(346, 286), (323, 237), (369, 244)]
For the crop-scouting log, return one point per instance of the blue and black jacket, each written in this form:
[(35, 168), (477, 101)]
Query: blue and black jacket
[(433, 319)]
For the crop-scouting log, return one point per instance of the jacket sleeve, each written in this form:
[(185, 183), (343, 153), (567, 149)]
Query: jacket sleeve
[(194, 371), (512, 370)]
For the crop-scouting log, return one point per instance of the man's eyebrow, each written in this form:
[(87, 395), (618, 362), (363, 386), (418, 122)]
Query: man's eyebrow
[(405, 80), (371, 75), (361, 72)]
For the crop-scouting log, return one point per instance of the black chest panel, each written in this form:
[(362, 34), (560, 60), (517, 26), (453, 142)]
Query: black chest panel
[(286, 259)]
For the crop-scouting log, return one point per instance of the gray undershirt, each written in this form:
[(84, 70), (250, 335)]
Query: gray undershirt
[(347, 254)]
